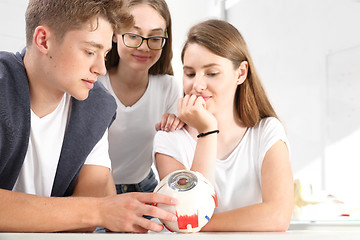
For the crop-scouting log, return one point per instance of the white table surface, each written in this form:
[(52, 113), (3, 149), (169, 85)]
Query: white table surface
[(298, 230), (293, 235)]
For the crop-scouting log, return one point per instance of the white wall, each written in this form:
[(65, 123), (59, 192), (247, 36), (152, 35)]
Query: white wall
[(293, 44), (12, 25), (301, 50)]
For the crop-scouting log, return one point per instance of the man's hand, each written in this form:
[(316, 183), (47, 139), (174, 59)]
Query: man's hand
[(124, 212)]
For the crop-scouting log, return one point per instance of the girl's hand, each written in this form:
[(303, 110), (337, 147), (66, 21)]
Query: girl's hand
[(169, 122), (192, 110)]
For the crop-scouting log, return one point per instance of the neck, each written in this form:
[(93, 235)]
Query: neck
[(130, 77), (232, 131), (128, 84), (228, 119), (44, 98)]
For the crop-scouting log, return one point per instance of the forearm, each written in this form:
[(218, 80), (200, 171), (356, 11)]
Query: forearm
[(205, 156), (110, 187), (21, 212), (258, 217)]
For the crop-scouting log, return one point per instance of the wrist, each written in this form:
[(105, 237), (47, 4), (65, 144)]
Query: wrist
[(203, 134), (94, 216), (208, 128)]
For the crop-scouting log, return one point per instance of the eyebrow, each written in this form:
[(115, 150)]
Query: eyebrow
[(205, 66), (96, 45), (152, 30), (210, 65)]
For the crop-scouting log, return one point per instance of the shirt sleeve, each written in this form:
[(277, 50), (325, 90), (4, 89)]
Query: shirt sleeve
[(271, 131), (173, 96), (100, 153), (168, 143)]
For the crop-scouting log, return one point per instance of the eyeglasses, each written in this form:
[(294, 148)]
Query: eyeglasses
[(133, 40)]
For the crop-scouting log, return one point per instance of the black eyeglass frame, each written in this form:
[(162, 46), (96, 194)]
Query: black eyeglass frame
[(144, 39)]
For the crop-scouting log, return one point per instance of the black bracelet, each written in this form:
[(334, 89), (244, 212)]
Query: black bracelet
[(207, 133)]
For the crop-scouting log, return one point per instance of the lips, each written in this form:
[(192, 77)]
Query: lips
[(141, 58), (89, 83), (204, 97)]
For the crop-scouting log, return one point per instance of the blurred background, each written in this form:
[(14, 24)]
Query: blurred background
[(307, 54)]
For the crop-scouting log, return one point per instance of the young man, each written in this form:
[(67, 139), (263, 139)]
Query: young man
[(54, 119)]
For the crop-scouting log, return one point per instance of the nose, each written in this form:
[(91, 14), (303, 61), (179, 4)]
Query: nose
[(144, 46), (99, 67), (199, 83)]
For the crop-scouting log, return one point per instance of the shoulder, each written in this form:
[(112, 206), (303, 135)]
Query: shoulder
[(269, 125), (6, 56), (164, 81), (99, 90), (177, 144), (13, 78), (104, 80), (181, 133), (172, 138), (268, 132), (9, 62), (99, 102), (162, 77), (166, 89), (12, 70), (100, 94)]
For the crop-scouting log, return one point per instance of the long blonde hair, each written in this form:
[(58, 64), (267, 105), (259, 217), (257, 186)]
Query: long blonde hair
[(224, 40)]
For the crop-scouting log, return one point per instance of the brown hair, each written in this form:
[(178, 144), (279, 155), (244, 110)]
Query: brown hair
[(224, 40), (64, 15), (163, 65)]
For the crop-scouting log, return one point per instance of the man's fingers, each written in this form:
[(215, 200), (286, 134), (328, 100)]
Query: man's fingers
[(159, 213), (144, 223), (139, 229), (154, 198)]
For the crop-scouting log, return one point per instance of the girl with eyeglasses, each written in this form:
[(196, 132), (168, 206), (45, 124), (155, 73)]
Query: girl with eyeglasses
[(232, 134), (140, 77)]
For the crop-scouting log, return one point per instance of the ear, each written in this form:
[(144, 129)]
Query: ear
[(241, 72), (41, 39), (114, 38)]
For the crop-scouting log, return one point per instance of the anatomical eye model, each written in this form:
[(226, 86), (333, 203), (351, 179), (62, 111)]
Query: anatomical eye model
[(196, 200)]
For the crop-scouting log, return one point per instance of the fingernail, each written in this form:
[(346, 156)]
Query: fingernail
[(174, 219)]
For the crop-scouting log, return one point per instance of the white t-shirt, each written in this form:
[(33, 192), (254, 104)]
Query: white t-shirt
[(46, 137), (131, 134), (237, 178)]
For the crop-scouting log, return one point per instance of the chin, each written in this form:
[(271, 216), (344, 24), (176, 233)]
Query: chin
[(80, 97)]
